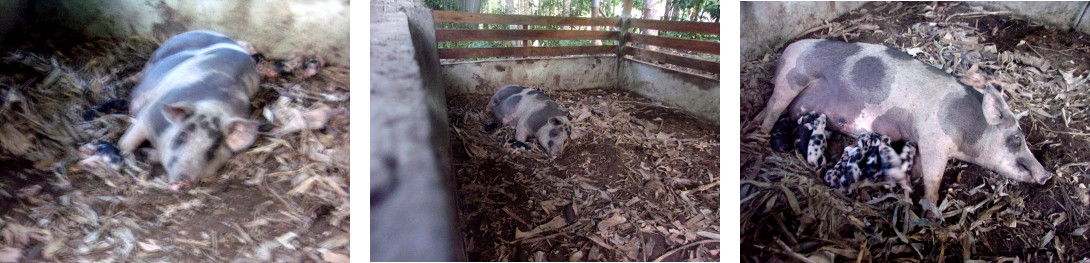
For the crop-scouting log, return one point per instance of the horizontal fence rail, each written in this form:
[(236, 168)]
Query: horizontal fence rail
[(630, 43), (678, 26), (477, 18), (504, 34), (462, 53), (694, 63), (677, 43)]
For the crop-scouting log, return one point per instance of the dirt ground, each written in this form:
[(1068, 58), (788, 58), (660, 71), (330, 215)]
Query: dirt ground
[(284, 199), (642, 185), (788, 214)]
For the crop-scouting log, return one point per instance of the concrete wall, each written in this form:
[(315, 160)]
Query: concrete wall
[(695, 94), (546, 74), (1063, 15), (766, 25), (276, 27), (412, 211)]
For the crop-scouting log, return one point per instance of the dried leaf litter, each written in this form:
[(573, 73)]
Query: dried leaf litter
[(789, 214), (643, 184)]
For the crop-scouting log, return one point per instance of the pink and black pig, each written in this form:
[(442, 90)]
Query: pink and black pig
[(192, 104), (532, 113), (873, 88)]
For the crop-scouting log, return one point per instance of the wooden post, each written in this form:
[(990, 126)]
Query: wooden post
[(622, 29), (525, 43), (622, 39), (594, 12)]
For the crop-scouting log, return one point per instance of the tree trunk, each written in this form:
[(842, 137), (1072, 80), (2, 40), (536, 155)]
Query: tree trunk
[(566, 8), (471, 6), (652, 10), (510, 8), (669, 11)]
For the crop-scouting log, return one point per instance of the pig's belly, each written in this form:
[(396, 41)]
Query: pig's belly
[(846, 113)]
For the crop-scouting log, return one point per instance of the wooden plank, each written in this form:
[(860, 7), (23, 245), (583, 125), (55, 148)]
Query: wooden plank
[(686, 44), (508, 34), (478, 18), (693, 63), (678, 26), (461, 53)]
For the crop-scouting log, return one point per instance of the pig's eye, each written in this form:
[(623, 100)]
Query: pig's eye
[(1015, 140)]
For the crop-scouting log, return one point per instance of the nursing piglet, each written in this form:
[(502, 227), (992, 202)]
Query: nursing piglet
[(191, 104)]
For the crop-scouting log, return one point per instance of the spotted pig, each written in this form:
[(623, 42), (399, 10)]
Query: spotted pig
[(873, 88), (815, 153), (532, 113), (191, 105)]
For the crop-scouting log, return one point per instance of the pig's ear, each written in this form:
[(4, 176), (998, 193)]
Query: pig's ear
[(576, 133), (176, 112), (1018, 116), (241, 133), (994, 107)]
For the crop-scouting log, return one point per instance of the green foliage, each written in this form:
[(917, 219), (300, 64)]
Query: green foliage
[(686, 35), (704, 10), (445, 5)]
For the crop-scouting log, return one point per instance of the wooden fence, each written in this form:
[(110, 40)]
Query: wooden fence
[(619, 29)]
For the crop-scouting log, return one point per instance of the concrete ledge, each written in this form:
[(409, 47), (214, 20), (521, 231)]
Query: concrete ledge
[(696, 94), (274, 27), (1062, 15), (412, 218), (766, 25)]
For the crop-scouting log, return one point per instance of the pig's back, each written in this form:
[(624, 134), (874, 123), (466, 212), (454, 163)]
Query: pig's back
[(196, 66), (865, 87)]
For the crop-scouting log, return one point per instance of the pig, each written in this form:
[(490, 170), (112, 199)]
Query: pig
[(815, 153), (908, 155), (869, 143), (532, 113), (805, 130), (780, 137), (191, 104), (846, 171), (891, 168), (882, 164), (875, 88)]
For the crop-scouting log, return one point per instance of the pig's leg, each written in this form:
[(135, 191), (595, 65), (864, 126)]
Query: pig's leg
[(931, 166), (519, 143), (782, 95), (133, 137)]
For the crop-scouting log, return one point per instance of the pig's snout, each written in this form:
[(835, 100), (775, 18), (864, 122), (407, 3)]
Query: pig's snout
[(1043, 179), (1035, 170)]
